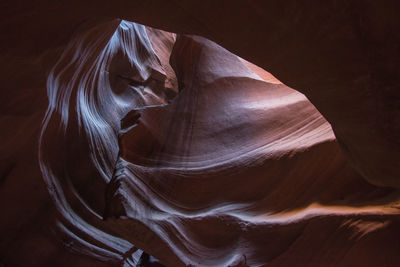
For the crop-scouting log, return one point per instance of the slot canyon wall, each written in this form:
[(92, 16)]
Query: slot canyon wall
[(224, 133)]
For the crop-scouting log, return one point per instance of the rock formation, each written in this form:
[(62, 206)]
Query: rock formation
[(125, 145)]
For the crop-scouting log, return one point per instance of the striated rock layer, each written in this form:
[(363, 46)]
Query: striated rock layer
[(172, 145)]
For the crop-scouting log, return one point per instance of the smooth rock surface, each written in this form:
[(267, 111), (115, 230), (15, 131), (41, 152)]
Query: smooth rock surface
[(174, 146)]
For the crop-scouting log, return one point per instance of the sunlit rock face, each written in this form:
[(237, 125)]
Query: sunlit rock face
[(124, 145)]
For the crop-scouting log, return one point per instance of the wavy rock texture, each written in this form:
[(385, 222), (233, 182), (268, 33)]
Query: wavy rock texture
[(172, 145), (92, 87)]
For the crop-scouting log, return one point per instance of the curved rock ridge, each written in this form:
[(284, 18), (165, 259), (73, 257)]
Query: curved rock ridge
[(235, 170), (106, 71)]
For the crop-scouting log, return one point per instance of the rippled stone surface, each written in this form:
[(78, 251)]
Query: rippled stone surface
[(172, 145)]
